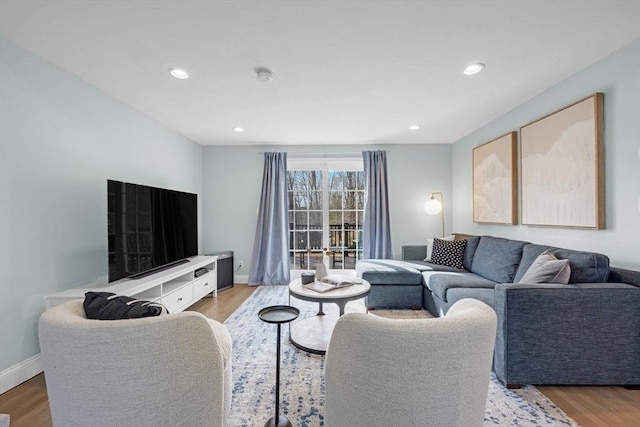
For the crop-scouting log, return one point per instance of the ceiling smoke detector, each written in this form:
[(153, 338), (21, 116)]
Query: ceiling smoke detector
[(264, 75)]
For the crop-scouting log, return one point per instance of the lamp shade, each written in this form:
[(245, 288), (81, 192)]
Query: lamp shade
[(433, 207)]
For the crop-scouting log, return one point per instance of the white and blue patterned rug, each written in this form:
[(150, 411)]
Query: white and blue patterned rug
[(302, 375)]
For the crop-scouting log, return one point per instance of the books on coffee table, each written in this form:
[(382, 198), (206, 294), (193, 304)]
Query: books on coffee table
[(328, 284)]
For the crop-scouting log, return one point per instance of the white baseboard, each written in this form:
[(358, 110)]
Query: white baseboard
[(17, 374), (241, 279)]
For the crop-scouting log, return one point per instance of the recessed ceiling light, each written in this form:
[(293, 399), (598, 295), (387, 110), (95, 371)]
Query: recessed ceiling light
[(414, 127), (473, 69), (238, 129), (178, 73)]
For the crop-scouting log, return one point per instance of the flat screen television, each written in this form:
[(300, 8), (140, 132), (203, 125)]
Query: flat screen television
[(149, 229)]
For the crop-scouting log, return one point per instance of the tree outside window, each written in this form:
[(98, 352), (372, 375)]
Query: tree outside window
[(325, 217)]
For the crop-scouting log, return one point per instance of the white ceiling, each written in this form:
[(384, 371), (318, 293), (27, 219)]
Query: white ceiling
[(344, 71)]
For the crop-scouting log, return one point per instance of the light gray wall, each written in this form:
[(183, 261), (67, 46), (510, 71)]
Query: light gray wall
[(60, 140), (618, 77), (233, 179)]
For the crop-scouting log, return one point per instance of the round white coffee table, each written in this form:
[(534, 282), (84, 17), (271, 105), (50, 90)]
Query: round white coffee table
[(313, 333)]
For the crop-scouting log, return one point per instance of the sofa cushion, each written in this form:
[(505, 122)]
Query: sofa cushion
[(497, 259), (395, 272), (388, 271), (449, 253), (586, 267), (439, 282), (429, 266), (547, 269), (486, 295), (470, 251)]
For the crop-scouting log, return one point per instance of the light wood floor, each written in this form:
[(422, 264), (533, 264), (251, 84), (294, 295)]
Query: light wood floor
[(588, 406)]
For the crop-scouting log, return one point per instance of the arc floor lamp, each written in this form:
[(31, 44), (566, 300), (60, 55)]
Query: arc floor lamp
[(434, 206)]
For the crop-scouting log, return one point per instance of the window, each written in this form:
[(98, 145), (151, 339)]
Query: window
[(326, 201)]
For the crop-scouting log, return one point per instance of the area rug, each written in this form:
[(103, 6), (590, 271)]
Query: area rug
[(302, 374)]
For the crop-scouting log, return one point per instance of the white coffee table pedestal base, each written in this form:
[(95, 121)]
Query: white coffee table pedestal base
[(312, 334)]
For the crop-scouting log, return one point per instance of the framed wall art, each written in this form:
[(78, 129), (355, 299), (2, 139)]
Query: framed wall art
[(494, 181), (562, 167)]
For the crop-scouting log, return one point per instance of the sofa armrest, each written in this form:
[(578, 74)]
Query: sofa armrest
[(622, 275), (568, 334), (414, 252)]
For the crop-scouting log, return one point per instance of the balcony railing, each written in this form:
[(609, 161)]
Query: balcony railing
[(307, 249)]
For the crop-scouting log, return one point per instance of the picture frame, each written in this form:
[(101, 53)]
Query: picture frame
[(494, 181), (562, 167)]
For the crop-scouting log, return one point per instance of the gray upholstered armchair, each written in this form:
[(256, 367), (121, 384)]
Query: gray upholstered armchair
[(172, 370), (422, 372)]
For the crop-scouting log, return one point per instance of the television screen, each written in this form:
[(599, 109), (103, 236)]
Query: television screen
[(149, 228)]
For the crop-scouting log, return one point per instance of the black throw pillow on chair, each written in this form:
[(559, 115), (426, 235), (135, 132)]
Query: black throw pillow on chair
[(109, 306)]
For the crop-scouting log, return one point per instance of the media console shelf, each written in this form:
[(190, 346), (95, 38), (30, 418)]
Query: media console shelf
[(176, 288)]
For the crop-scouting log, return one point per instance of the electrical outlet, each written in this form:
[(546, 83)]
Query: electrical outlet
[(240, 264)]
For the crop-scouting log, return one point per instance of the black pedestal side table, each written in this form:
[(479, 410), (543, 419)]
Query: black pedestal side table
[(278, 314)]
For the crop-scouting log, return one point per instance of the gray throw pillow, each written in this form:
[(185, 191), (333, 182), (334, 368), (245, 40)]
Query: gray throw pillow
[(547, 268)]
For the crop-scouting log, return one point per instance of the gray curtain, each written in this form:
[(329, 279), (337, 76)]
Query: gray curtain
[(376, 231), (270, 260)]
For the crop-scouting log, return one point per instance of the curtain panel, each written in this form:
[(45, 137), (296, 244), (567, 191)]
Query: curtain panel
[(376, 229), (270, 260)]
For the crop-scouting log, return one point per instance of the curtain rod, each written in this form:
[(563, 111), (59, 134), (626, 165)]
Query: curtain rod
[(336, 154)]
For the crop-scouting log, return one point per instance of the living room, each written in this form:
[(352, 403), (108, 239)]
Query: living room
[(62, 138)]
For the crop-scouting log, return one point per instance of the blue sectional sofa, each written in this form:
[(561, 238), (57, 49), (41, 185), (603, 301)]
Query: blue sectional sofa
[(584, 332)]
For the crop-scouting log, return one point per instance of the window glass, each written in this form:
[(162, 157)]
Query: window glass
[(325, 213)]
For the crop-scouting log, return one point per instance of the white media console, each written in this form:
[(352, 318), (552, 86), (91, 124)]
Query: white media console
[(176, 288)]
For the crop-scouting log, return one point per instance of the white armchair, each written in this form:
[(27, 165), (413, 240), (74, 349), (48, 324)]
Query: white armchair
[(418, 372), (172, 370)]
